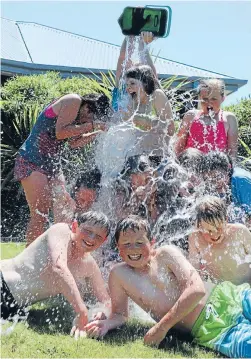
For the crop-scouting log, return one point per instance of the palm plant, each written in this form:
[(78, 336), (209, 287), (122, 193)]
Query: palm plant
[(15, 131)]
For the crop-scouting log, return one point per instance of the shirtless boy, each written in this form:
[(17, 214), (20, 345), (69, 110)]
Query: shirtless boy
[(219, 249), (54, 264), (161, 281)]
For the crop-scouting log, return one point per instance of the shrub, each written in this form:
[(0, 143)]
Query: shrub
[(242, 111)]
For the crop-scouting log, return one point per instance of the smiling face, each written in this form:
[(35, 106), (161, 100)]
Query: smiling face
[(211, 99), (211, 232), (89, 237), (135, 248), (135, 88)]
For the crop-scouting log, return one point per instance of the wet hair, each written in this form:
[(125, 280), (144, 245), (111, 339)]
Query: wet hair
[(135, 164), (134, 223), (211, 210), (94, 218), (217, 161), (192, 159), (211, 84), (145, 74), (89, 179), (98, 104)]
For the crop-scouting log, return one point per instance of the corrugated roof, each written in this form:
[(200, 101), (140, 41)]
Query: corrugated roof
[(31, 42), (12, 44)]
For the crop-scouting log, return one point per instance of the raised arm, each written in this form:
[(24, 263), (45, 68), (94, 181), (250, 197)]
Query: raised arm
[(123, 65), (192, 289), (183, 133), (125, 57), (70, 105), (232, 136), (58, 241), (119, 313), (145, 58), (163, 110)]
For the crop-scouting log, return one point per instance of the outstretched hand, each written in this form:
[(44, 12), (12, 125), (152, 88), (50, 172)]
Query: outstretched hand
[(154, 336), (79, 323), (97, 328)]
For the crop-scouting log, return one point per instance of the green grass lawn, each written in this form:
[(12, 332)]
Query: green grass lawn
[(45, 334)]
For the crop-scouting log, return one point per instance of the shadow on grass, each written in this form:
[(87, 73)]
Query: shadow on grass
[(53, 316)]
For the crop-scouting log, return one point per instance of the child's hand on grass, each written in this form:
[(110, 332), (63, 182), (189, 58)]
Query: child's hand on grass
[(97, 328), (79, 323), (154, 336)]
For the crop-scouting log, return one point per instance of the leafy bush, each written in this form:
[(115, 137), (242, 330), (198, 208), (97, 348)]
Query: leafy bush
[(242, 111)]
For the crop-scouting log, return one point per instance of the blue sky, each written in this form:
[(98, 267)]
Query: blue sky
[(212, 35)]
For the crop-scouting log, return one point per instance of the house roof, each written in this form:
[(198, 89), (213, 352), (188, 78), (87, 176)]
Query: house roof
[(34, 48)]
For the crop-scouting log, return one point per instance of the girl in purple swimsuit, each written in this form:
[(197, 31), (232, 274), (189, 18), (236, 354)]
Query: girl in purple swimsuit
[(37, 165)]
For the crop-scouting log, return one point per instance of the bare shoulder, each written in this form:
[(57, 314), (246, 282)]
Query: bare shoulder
[(69, 99), (57, 231), (118, 270), (159, 93), (238, 228), (169, 251), (230, 116)]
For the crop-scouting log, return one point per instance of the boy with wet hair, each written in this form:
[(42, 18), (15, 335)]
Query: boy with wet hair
[(163, 283), (86, 189), (135, 188), (56, 263), (222, 180), (219, 249)]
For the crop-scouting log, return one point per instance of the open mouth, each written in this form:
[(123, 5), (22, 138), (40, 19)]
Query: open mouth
[(216, 239), (210, 108), (134, 257), (88, 244)]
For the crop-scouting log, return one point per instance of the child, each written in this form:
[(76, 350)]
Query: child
[(86, 189), (134, 191), (163, 283), (191, 160), (119, 96), (38, 162), (209, 129), (221, 180), (219, 249), (54, 264)]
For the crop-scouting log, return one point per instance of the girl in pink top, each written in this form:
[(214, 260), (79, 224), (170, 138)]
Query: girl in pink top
[(209, 129)]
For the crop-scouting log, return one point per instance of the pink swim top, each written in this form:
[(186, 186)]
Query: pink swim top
[(207, 138)]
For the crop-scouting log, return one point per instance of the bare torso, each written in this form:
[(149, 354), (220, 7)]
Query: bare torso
[(157, 291), (228, 260), (29, 275)]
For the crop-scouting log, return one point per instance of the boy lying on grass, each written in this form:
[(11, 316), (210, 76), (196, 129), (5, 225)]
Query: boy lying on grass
[(162, 282), (219, 249), (54, 264)]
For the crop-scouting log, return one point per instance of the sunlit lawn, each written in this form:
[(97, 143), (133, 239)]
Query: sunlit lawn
[(45, 335)]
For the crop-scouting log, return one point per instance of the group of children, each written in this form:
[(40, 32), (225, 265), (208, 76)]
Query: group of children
[(199, 283)]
